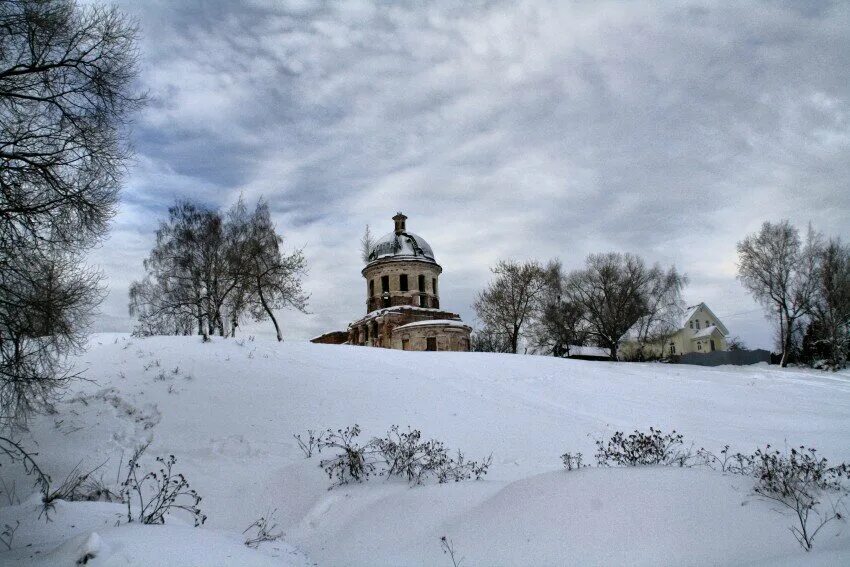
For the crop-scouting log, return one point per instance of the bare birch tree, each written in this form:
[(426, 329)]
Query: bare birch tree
[(780, 271), (66, 95)]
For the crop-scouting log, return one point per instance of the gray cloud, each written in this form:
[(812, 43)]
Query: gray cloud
[(503, 129)]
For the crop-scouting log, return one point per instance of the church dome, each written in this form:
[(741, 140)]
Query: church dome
[(401, 245)]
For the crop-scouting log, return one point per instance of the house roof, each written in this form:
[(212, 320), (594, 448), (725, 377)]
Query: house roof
[(631, 334), (693, 309), (706, 332)]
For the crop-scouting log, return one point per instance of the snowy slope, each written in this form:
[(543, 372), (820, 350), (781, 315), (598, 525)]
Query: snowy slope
[(228, 410)]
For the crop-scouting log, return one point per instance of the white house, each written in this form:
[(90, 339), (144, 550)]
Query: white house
[(700, 330)]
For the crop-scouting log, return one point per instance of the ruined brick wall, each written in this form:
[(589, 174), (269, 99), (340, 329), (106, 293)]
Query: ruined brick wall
[(448, 338), (393, 269)]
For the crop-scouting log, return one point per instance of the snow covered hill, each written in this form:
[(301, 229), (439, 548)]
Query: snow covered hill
[(228, 409)]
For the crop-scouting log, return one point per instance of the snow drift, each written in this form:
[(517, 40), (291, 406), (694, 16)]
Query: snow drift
[(228, 409)]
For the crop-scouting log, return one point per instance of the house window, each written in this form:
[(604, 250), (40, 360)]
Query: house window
[(385, 284), (699, 346), (402, 282), (712, 345), (692, 324), (707, 324), (371, 288), (421, 282), (672, 348), (434, 285), (431, 343), (697, 322)]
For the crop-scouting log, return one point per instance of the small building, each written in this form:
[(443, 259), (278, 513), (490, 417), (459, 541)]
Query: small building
[(402, 299), (699, 331)]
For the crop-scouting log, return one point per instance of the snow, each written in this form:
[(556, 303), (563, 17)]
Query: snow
[(401, 246), (705, 332), (227, 411), (91, 536), (445, 322)]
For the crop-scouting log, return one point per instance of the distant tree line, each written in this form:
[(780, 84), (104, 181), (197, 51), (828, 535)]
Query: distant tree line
[(66, 96), (803, 283), (208, 271), (804, 286), (553, 311)]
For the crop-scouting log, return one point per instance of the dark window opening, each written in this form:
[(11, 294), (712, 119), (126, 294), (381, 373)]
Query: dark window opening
[(385, 302), (371, 288), (402, 282), (712, 345), (423, 301), (421, 283), (366, 334), (405, 344), (385, 284), (434, 285), (431, 343)]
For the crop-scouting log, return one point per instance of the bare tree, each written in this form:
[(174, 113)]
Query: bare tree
[(66, 94), (488, 340), (830, 310), (366, 244), (780, 271), (560, 323), (510, 301), (616, 290), (272, 277), (663, 313), (209, 269)]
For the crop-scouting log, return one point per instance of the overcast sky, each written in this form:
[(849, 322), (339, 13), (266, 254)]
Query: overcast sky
[(501, 129)]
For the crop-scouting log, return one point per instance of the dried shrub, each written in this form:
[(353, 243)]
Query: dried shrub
[(798, 480), (399, 454), (263, 529), (354, 462), (152, 496), (639, 448), (572, 462)]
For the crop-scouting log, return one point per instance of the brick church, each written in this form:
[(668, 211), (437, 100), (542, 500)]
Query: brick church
[(402, 299)]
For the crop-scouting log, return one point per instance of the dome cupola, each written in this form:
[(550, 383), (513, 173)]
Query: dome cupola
[(401, 244)]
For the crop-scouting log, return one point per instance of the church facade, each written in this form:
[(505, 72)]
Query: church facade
[(403, 300)]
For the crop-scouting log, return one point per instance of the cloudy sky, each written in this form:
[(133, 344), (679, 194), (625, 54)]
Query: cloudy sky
[(502, 129)]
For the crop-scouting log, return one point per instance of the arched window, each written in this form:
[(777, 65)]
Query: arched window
[(697, 322)]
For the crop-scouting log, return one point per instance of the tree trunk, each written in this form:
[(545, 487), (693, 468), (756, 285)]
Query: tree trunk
[(786, 342), (270, 314), (514, 340)]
